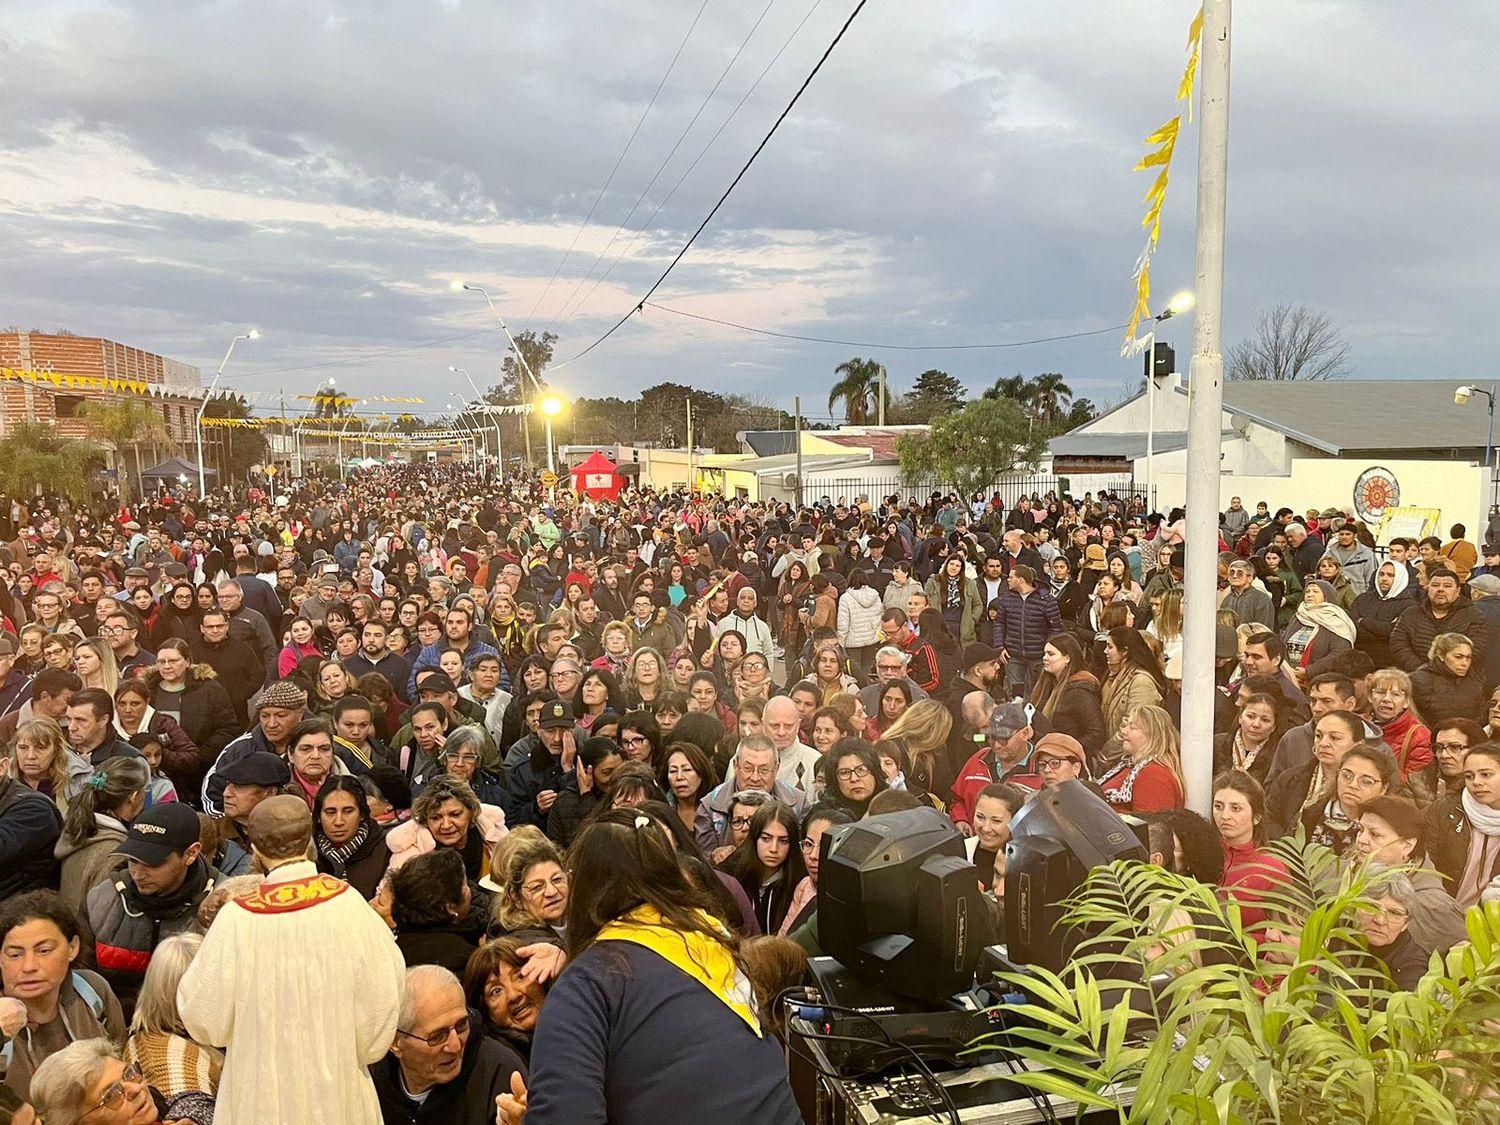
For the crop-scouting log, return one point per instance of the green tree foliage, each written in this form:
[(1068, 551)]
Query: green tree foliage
[(242, 447), (514, 385), (1206, 1018), (127, 424), (972, 448), (33, 455), (1047, 399), (934, 394), (859, 390)]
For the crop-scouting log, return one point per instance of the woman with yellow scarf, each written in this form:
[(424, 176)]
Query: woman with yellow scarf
[(654, 1019)]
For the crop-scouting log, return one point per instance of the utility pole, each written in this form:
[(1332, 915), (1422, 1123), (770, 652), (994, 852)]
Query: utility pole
[(880, 402), (1205, 410), (797, 436), (690, 445)]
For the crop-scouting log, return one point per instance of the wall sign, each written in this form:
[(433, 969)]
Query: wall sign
[(1376, 491)]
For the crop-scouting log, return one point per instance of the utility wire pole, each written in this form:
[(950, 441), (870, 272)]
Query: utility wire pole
[(1205, 411)]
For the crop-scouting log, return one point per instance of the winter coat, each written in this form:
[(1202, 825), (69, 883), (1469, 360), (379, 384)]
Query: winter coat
[(207, 717), (1417, 627), (570, 810), (294, 654), (1411, 744), (241, 673), (469, 1099), (1023, 624), (523, 785), (29, 828), (1285, 798), (179, 755), (1375, 615), (1120, 695), (365, 869), (973, 605), (86, 862), (410, 838), (1438, 694), (87, 1009), (127, 927), (1080, 713), (859, 613), (1446, 839)]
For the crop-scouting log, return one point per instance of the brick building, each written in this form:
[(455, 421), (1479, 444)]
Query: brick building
[(174, 388)]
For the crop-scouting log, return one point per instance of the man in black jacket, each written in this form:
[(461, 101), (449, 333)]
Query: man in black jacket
[(441, 1067), (240, 670), (91, 728)]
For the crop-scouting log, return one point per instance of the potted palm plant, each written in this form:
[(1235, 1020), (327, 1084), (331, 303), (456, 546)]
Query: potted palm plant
[(1177, 1010)]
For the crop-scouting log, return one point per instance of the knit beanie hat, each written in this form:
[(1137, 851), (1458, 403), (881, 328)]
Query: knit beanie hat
[(284, 694)]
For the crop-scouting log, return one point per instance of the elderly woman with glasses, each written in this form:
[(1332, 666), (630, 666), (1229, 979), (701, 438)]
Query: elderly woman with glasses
[(1386, 923), (88, 1082), (533, 888)]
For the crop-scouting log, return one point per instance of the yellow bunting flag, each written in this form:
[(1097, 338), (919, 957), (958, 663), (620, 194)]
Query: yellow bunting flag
[(1163, 144)]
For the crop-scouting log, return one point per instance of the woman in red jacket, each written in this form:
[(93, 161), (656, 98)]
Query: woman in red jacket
[(1249, 870), (1148, 777)]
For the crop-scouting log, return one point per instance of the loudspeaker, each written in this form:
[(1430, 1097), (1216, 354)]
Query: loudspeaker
[(1166, 361)]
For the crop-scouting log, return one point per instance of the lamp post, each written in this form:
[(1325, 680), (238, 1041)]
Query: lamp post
[(253, 334), (458, 286), (465, 427), (551, 407), (1178, 304), (488, 409), (1462, 396)]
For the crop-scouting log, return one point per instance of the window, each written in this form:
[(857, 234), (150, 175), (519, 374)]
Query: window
[(67, 406)]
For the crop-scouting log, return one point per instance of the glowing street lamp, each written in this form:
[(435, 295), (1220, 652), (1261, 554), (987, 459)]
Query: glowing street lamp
[(1462, 396), (252, 334), (1181, 303)]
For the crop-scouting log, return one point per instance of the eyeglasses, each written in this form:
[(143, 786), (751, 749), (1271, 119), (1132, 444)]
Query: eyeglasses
[(1045, 763), (1450, 747), (1396, 913), (850, 774), (634, 740), (113, 630), (1359, 781), (809, 844), (537, 886), (464, 759), (114, 1096), (437, 1038)]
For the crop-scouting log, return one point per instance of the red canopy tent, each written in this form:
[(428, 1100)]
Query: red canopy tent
[(597, 478)]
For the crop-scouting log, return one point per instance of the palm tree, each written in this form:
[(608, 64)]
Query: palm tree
[(1051, 395), (1016, 388), (127, 423), (33, 454), (859, 389)]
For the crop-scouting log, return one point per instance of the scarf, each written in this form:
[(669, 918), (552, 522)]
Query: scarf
[(1316, 786), (1482, 817), (1243, 758), (1124, 794), (158, 907), (337, 855), (704, 960), (1325, 615)]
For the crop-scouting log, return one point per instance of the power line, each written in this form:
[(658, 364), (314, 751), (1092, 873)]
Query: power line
[(688, 171), (662, 167), (886, 347), (618, 161), (639, 305)]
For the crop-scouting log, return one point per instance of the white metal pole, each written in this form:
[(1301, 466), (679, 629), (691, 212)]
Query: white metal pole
[(219, 374), (551, 456), (1205, 411)]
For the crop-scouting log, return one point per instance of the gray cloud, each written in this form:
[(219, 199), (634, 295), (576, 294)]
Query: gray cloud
[(958, 173)]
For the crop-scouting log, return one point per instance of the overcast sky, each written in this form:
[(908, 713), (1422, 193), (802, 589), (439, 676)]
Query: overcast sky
[(958, 173)]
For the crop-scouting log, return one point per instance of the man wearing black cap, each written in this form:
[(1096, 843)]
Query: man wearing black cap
[(156, 895), (534, 784), (247, 782)]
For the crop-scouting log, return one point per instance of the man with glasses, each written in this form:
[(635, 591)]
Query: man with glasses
[(120, 630), (458, 629), (890, 665), (440, 1068), (754, 768), (1003, 757), (345, 983), (235, 662)]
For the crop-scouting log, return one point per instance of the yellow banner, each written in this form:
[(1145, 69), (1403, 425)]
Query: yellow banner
[(1164, 146), (62, 380)]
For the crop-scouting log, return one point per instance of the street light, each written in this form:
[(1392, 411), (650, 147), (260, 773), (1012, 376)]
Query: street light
[(252, 334), (1181, 303), (488, 410), (551, 407), (458, 285), (463, 427), (1461, 396)]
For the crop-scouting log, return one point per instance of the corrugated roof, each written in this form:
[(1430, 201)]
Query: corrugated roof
[(880, 442), (1348, 414), (1121, 445), (769, 443)]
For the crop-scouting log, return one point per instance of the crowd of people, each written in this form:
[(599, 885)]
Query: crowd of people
[(427, 796)]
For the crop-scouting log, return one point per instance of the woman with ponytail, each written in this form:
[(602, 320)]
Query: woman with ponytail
[(111, 797)]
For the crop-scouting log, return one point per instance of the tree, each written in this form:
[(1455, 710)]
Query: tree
[(859, 390), (1290, 342), (935, 393), (1015, 387), (127, 423), (1079, 413), (515, 385), (33, 456), (1050, 395), (328, 403), (242, 447), (974, 447)]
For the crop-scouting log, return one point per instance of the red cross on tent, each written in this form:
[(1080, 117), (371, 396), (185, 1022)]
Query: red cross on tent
[(597, 478)]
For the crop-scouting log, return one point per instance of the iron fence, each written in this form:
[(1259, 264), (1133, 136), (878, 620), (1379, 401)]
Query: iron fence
[(1010, 488)]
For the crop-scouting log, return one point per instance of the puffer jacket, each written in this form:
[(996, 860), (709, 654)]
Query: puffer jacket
[(1417, 627), (859, 617), (1411, 744), (1022, 625), (1374, 618), (1080, 713), (1438, 694), (410, 839), (126, 927)]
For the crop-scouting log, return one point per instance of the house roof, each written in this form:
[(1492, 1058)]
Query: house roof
[(787, 462), (1126, 445), (882, 443), (769, 443), (1349, 414)]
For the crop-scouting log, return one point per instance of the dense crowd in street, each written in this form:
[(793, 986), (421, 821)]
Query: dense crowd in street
[(426, 796)]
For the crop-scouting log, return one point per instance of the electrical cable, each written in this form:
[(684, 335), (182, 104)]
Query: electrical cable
[(745, 97), (620, 159), (662, 167), (885, 347), (641, 304)]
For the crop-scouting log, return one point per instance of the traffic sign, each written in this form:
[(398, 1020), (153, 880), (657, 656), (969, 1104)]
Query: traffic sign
[(271, 470), (549, 479)]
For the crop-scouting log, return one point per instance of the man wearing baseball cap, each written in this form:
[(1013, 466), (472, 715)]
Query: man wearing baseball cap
[(252, 779), (280, 707), (1002, 758), (534, 784), (154, 896)]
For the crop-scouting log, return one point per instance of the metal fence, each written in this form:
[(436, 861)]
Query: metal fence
[(1010, 488)]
